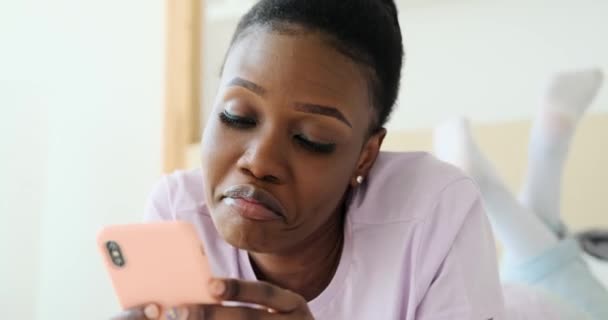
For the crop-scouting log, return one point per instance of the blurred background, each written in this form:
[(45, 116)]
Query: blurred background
[(99, 98)]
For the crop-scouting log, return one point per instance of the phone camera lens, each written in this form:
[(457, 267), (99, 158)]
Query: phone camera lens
[(112, 245), (115, 254)]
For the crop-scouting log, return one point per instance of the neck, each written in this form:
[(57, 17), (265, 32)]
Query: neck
[(309, 268)]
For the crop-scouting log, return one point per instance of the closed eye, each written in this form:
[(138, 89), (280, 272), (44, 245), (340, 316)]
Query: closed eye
[(237, 122), (316, 147), (244, 123)]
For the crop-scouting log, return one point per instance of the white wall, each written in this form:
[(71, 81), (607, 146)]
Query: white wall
[(491, 59), (22, 176), (486, 59), (81, 95), (21, 197), (22, 163)]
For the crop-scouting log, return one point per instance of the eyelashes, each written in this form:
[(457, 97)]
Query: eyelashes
[(323, 148), (244, 123), (236, 121)]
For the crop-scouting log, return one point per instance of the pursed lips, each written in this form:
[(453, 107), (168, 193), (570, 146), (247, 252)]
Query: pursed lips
[(257, 196)]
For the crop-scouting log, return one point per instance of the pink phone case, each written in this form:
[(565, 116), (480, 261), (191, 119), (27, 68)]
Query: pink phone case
[(162, 263)]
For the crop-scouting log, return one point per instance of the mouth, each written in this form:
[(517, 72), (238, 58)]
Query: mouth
[(253, 203)]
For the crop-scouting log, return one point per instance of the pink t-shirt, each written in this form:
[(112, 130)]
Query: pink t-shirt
[(418, 244)]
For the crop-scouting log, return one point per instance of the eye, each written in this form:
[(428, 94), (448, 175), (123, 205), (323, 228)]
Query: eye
[(316, 147), (237, 122)]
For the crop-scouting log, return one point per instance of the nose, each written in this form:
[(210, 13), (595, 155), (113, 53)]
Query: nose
[(265, 160)]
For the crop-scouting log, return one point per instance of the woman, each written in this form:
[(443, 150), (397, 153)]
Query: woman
[(297, 208)]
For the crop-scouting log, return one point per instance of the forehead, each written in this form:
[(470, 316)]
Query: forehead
[(303, 63)]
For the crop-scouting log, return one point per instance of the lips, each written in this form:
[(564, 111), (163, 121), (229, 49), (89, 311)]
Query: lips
[(253, 203)]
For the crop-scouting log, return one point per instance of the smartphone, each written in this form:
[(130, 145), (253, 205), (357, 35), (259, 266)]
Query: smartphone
[(162, 263)]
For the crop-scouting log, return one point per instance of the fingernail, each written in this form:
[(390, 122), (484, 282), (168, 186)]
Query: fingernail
[(217, 287), (151, 311)]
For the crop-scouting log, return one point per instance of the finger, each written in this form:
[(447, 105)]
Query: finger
[(257, 292), (148, 312), (219, 312), (133, 314)]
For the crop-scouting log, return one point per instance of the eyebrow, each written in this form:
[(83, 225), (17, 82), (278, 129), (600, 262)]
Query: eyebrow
[(322, 110), (253, 87), (302, 107)]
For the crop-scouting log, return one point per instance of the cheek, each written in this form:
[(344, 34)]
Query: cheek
[(322, 186), (209, 143), (216, 156)]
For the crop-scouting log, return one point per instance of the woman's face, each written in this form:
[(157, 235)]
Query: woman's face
[(286, 137)]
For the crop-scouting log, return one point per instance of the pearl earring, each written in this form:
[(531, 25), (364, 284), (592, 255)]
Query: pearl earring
[(360, 179)]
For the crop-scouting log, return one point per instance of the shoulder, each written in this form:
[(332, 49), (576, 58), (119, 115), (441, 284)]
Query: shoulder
[(422, 218), (176, 193), (408, 186), (186, 188)]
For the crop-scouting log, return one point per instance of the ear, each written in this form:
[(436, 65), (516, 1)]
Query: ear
[(368, 155)]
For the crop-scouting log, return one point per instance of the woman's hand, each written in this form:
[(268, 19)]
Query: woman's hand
[(276, 304)]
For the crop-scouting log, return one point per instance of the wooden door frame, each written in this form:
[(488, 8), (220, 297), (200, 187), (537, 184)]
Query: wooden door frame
[(183, 72)]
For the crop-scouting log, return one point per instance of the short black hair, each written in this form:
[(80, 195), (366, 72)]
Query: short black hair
[(367, 31)]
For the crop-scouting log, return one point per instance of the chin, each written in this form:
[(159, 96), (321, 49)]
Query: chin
[(243, 233)]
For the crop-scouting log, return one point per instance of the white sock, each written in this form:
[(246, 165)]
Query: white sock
[(521, 232), (568, 96)]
